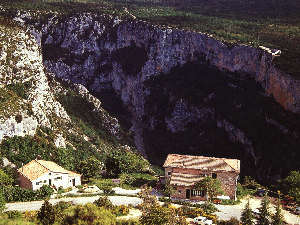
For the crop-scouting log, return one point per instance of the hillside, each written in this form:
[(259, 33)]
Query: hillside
[(42, 116), (169, 90)]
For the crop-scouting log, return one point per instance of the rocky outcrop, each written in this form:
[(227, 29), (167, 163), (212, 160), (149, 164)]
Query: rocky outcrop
[(214, 105)]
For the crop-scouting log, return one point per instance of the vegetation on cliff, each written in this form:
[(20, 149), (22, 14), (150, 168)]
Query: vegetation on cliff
[(274, 24)]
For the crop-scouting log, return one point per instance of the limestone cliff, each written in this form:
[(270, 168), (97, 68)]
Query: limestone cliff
[(180, 91)]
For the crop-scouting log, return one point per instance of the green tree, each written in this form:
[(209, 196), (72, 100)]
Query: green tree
[(264, 213), (91, 167), (2, 202), (247, 215), (153, 213), (168, 189), (291, 185), (211, 186), (46, 215), (277, 218), (5, 179)]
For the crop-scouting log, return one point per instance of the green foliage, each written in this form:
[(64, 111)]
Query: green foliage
[(138, 179), (17, 194), (264, 213), (2, 201), (5, 179), (247, 215), (291, 185), (250, 183), (211, 186), (21, 89), (243, 191), (208, 207), (153, 213), (91, 167), (46, 215), (128, 222), (168, 190), (13, 214), (105, 185), (104, 202), (89, 214), (12, 173), (121, 161), (232, 221), (277, 218)]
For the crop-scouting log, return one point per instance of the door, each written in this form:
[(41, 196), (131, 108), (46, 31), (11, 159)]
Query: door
[(73, 182), (50, 182), (188, 193)]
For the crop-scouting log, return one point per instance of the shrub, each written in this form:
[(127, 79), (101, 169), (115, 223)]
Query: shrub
[(121, 210), (89, 214), (104, 202), (208, 207), (5, 179), (232, 221), (13, 214), (291, 185), (2, 202), (128, 222), (44, 192), (264, 213), (247, 215), (46, 215), (138, 179), (105, 185)]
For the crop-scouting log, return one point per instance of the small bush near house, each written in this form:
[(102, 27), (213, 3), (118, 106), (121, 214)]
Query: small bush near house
[(17, 194), (5, 179), (128, 222), (13, 214), (90, 214), (138, 179), (121, 210), (46, 215), (232, 221), (104, 202)]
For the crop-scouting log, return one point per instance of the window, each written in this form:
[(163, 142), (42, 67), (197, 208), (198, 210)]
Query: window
[(169, 173), (198, 193), (179, 191), (37, 183), (214, 175), (58, 178)]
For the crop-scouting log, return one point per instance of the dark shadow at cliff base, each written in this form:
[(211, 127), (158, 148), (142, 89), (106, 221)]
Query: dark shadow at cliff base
[(238, 119)]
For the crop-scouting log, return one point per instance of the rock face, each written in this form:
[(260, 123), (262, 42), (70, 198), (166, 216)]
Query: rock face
[(171, 86), (22, 72)]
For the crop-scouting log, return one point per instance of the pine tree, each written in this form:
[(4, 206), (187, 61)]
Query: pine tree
[(264, 213), (46, 215), (277, 218), (247, 215)]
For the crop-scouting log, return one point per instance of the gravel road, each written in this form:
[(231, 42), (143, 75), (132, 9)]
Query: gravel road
[(36, 205)]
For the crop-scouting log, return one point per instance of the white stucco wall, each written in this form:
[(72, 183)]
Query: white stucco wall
[(57, 179)]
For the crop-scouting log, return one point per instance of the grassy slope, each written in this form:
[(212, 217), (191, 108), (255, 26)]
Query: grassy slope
[(272, 23)]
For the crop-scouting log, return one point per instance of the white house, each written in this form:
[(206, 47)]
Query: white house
[(37, 173)]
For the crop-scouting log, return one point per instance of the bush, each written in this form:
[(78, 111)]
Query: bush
[(138, 179), (46, 215), (121, 210), (2, 202), (17, 194), (104, 202), (89, 214), (5, 179), (208, 207), (105, 185), (13, 214), (232, 221), (128, 222)]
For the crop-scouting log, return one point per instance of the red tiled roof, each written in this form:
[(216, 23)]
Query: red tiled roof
[(37, 168), (202, 163)]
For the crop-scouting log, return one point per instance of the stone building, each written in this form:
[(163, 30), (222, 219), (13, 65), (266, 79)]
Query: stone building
[(183, 171), (37, 173)]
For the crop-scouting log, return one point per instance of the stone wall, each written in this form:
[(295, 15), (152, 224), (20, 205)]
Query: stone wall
[(228, 181)]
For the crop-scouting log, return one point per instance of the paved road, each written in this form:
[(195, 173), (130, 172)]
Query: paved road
[(36, 205)]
